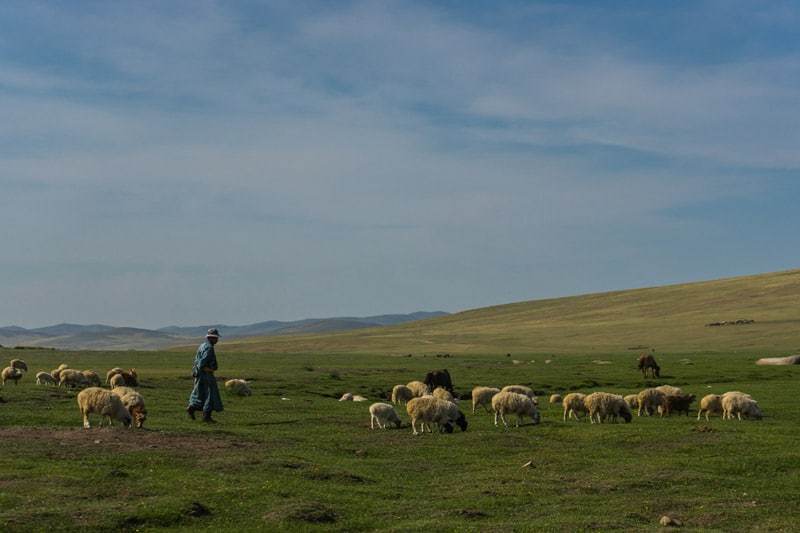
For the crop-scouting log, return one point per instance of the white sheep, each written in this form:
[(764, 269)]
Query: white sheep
[(649, 401), (604, 405), (418, 388), (19, 364), (134, 403), (401, 394), (739, 404), (429, 410), (632, 400), (556, 399), (43, 378), (113, 372), (514, 403), (56, 373), (359, 398), (70, 377), (105, 403), (383, 414), (443, 394), (117, 380), (10, 373), (669, 390), (483, 396), (239, 387), (573, 404), (710, 404), (346, 397), (521, 389)]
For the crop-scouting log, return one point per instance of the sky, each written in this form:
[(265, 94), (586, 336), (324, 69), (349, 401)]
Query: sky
[(231, 162)]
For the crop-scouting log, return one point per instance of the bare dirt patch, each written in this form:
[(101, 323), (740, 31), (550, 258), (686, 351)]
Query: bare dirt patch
[(121, 440)]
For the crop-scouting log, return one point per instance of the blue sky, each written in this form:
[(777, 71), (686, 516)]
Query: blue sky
[(196, 162)]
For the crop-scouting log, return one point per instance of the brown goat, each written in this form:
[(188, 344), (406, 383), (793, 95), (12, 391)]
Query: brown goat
[(679, 404), (648, 362)]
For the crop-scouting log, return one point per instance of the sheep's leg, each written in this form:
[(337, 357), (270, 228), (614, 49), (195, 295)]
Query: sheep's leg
[(414, 425), (474, 405), (371, 421), (495, 418), (699, 413), (505, 424), (565, 415), (739, 415), (86, 424)]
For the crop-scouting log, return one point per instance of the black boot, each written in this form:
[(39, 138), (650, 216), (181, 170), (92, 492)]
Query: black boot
[(190, 411)]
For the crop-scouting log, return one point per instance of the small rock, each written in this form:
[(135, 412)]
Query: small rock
[(668, 521), (97, 442)]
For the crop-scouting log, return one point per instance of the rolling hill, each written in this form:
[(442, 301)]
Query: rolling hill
[(671, 318)]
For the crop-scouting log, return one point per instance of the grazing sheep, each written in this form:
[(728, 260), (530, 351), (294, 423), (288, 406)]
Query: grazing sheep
[(556, 399), (359, 398), (92, 378), (383, 414), (418, 389), (346, 397), (134, 403), (678, 403), (56, 373), (443, 394), (239, 387), (649, 401), (19, 364), (573, 404), (603, 405), (117, 380), (70, 377), (11, 373), (429, 410), (647, 363), (113, 372), (521, 389), (43, 378), (669, 390), (632, 400), (514, 403), (483, 396), (131, 377), (401, 394), (711, 403), (95, 400), (739, 404)]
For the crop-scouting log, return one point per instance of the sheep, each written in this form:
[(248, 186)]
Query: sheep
[(43, 378), (113, 372), (11, 373), (669, 390), (131, 377), (19, 364), (117, 380), (632, 400), (648, 362), (649, 401), (739, 404), (56, 373), (439, 378), (711, 403), (443, 394), (573, 404), (401, 394), (603, 405), (514, 403), (346, 397), (72, 378), (104, 403), (418, 388), (92, 378), (556, 399), (483, 396), (383, 414), (521, 389), (359, 398), (134, 403), (239, 387), (680, 403), (429, 410)]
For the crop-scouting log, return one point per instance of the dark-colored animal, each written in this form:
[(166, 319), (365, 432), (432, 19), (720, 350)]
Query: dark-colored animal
[(461, 422), (648, 363), (678, 404), (439, 378)]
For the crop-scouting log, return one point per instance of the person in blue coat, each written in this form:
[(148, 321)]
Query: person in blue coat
[(205, 394)]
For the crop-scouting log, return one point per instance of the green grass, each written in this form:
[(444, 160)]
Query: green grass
[(672, 318), (311, 462)]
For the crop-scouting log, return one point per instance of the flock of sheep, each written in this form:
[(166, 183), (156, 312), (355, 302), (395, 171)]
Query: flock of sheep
[(428, 403)]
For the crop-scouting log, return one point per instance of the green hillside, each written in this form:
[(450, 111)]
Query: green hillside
[(671, 318)]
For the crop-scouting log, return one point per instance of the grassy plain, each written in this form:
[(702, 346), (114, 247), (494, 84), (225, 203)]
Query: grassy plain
[(671, 318), (310, 462)]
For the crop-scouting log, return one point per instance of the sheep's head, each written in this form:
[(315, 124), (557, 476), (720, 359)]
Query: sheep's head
[(752, 410), (536, 417), (446, 428), (461, 421), (139, 415), (658, 371)]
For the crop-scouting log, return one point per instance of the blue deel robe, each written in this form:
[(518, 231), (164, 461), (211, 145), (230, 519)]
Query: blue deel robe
[(205, 394)]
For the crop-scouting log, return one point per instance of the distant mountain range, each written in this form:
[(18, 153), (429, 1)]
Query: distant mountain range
[(102, 337)]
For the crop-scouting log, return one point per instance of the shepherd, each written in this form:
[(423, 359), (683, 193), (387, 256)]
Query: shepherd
[(205, 394)]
